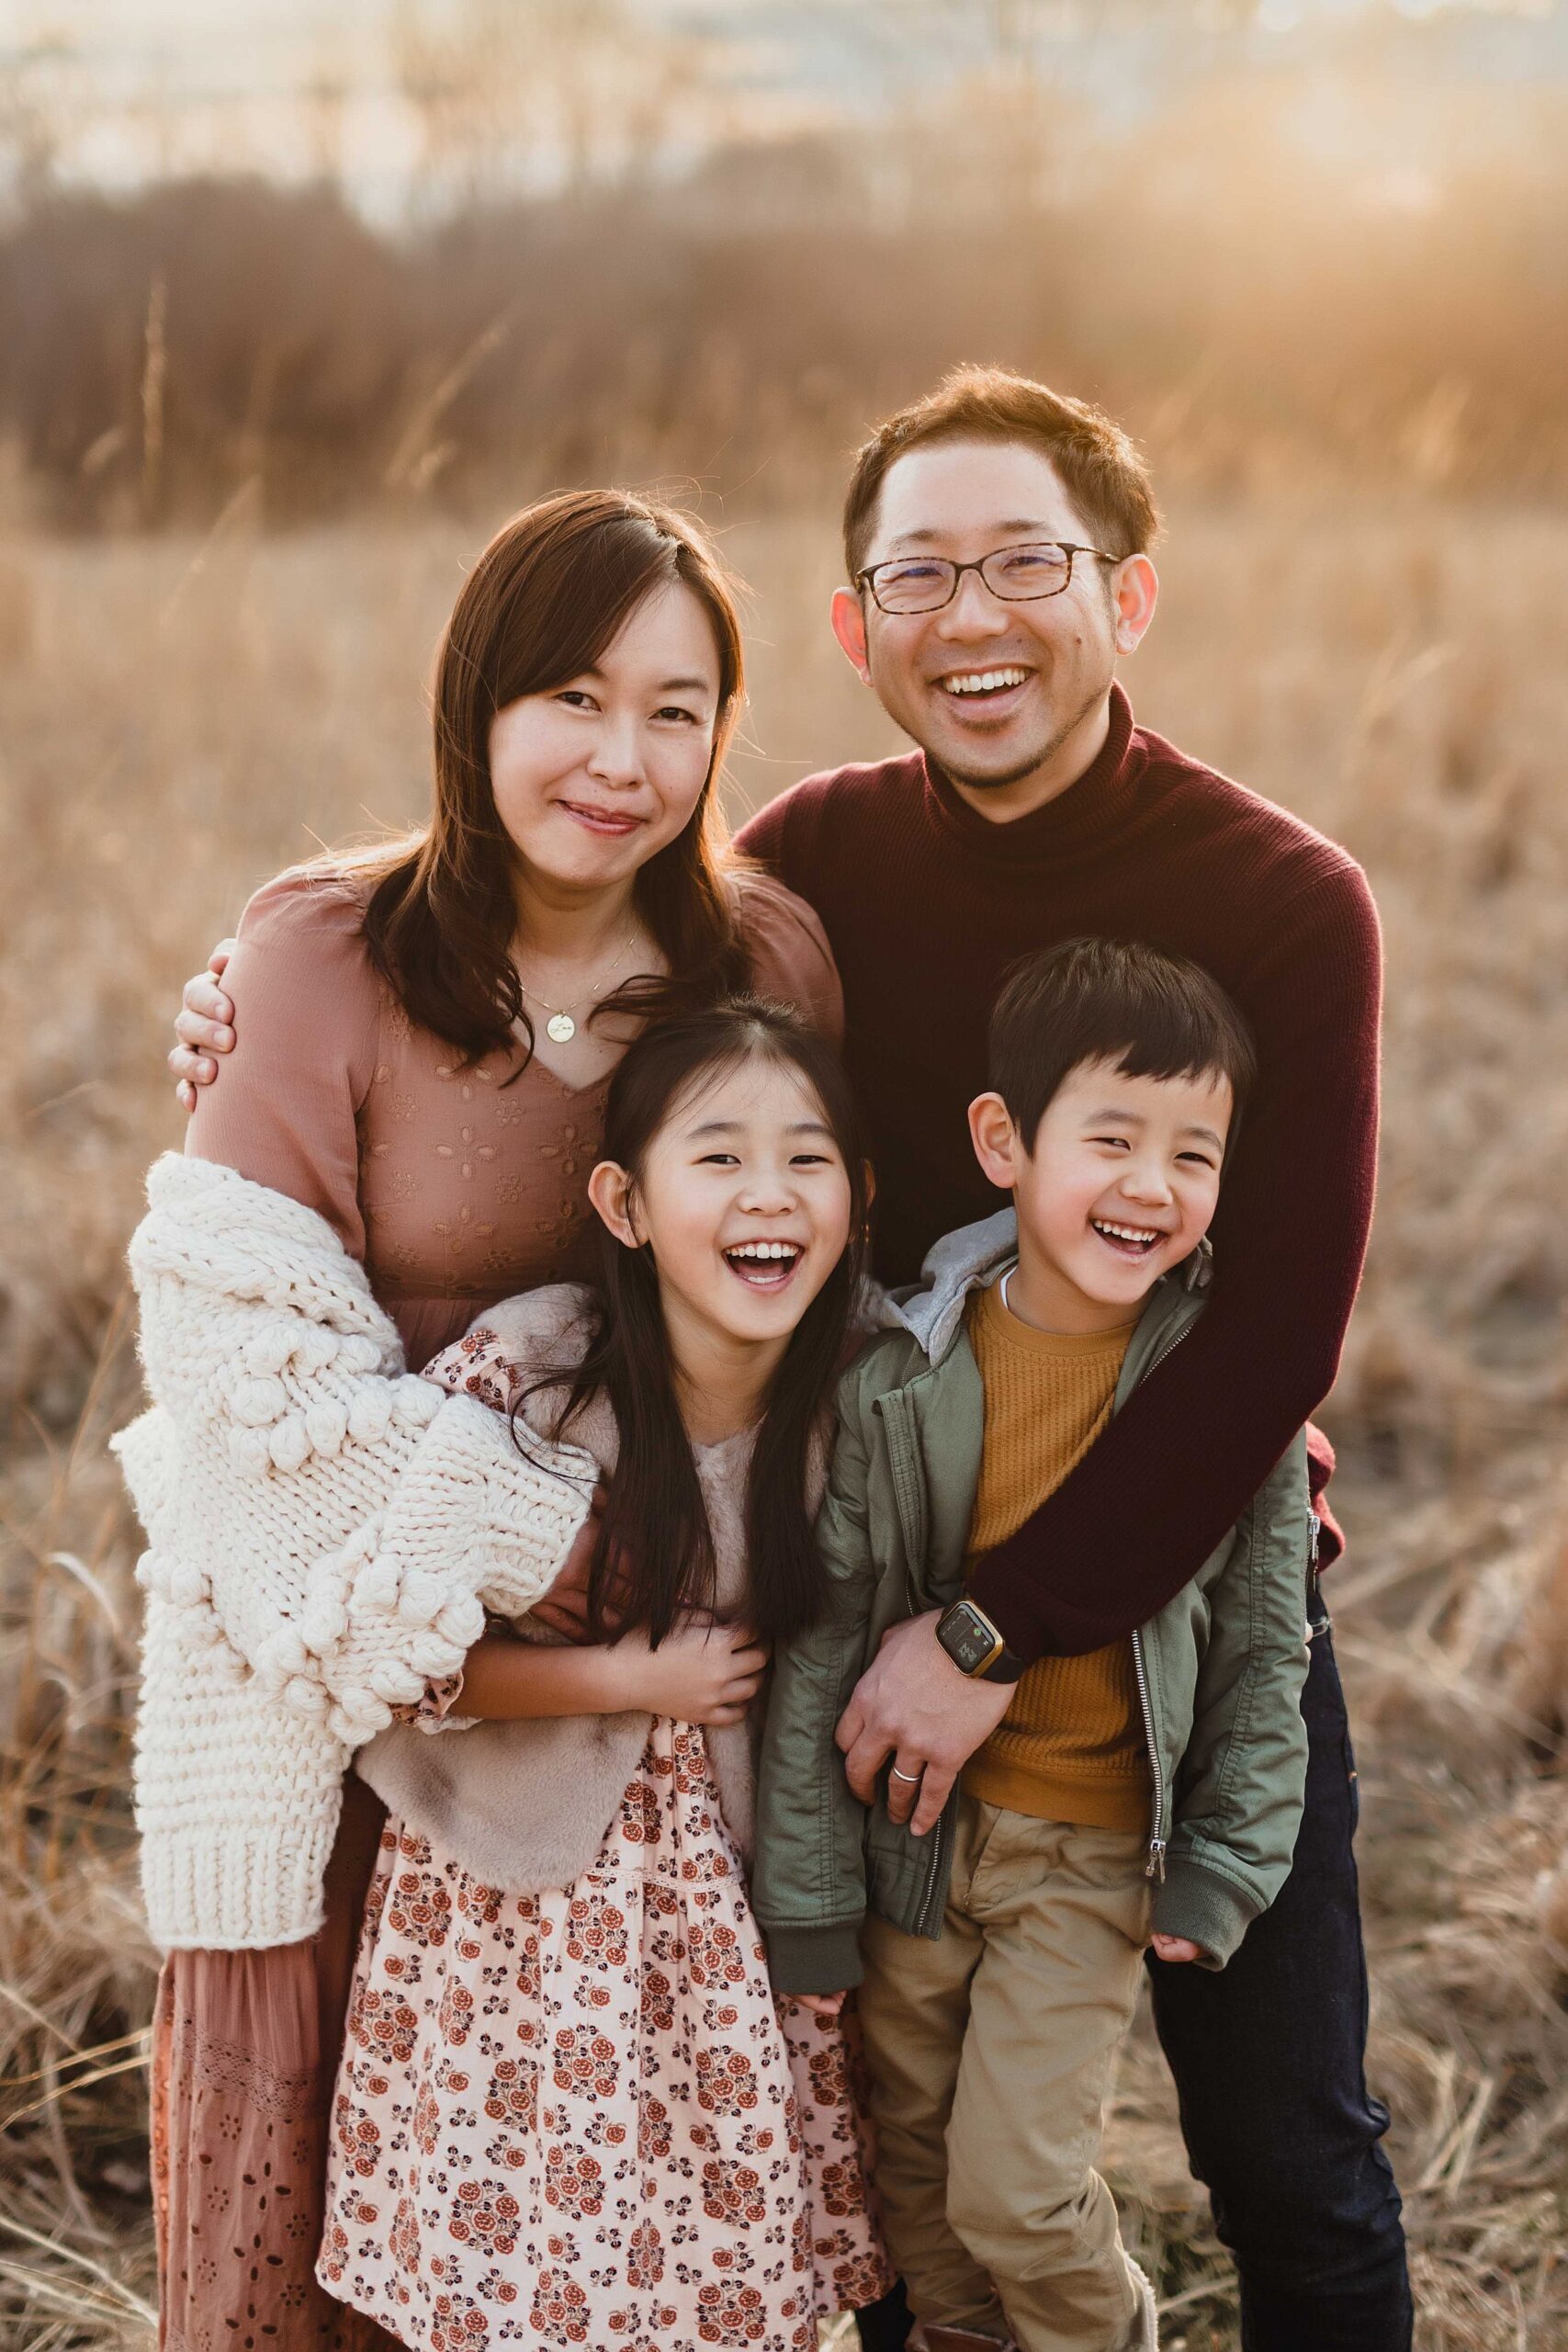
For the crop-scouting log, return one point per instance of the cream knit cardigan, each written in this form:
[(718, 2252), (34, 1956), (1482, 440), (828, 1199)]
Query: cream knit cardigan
[(325, 1534)]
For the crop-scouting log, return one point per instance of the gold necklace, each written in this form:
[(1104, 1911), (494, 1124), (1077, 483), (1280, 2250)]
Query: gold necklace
[(561, 1026)]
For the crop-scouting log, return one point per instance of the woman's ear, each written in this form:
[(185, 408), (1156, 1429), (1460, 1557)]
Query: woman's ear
[(611, 1192)]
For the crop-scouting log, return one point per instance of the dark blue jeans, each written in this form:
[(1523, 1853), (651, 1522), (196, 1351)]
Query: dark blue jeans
[(1268, 2057), (1269, 2061)]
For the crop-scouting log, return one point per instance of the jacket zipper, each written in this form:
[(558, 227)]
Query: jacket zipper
[(937, 1872), (1155, 1867)]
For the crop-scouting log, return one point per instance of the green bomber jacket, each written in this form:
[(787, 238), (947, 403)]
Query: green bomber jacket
[(1220, 1668)]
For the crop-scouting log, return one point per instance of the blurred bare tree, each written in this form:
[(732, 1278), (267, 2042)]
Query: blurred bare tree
[(41, 95), (514, 94)]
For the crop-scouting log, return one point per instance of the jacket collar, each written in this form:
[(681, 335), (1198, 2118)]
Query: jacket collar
[(975, 1256)]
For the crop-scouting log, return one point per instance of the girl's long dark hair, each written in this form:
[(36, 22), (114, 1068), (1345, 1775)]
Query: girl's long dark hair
[(551, 591), (655, 1555)]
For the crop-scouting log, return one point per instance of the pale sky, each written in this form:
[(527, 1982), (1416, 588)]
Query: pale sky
[(161, 86)]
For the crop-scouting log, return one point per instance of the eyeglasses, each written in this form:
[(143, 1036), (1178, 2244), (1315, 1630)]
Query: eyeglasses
[(923, 583)]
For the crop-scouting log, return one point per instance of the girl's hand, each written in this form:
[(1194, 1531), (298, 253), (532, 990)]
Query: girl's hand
[(1174, 1947), (202, 1027), (821, 2005), (701, 1673)]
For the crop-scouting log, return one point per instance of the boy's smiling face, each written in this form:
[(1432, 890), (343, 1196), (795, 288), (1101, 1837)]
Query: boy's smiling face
[(1118, 1185)]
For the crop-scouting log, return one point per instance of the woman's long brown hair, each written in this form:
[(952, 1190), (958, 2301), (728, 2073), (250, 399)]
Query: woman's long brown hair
[(655, 1555), (548, 595)]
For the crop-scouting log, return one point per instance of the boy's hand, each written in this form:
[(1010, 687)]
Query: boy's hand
[(821, 2005), (1175, 1948), (913, 1711)]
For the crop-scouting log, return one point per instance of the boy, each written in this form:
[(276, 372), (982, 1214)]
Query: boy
[(1150, 1790)]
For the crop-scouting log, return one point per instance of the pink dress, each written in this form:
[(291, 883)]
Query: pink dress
[(581, 2117), (454, 1191)]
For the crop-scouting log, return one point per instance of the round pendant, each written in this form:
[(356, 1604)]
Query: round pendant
[(561, 1027)]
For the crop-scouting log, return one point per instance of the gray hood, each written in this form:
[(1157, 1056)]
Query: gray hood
[(971, 1257)]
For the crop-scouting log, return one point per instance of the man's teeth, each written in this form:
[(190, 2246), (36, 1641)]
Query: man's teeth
[(984, 681), (1126, 1232), (764, 1250)]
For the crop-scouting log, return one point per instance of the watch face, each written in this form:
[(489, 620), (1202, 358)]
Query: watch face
[(966, 1638)]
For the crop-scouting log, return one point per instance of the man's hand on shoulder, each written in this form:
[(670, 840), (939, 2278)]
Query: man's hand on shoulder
[(913, 1711)]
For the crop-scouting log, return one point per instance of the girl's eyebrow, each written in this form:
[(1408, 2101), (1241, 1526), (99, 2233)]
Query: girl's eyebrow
[(735, 1126)]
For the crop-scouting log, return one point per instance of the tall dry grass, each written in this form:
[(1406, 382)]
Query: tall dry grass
[(177, 718)]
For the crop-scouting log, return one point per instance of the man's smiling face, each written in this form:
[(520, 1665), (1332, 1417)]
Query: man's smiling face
[(1008, 699)]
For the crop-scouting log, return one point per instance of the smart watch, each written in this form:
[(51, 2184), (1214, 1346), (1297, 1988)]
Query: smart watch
[(975, 1647)]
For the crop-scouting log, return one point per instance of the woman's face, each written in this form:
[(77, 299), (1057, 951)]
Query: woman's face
[(593, 777)]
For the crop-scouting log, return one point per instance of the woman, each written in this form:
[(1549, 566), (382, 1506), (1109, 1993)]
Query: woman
[(424, 1038)]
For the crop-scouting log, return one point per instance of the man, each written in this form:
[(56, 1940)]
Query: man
[(996, 537)]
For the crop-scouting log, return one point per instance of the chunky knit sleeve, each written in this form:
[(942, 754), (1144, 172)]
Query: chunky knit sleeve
[(336, 1526)]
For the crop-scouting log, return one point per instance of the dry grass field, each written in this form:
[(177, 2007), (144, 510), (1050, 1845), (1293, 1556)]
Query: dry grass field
[(177, 718)]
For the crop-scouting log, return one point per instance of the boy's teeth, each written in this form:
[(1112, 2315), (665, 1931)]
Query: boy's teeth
[(1124, 1232), (985, 681)]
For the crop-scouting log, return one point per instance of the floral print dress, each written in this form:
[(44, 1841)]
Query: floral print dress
[(581, 2117)]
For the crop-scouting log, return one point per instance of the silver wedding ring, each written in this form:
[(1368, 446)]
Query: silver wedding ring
[(904, 1775)]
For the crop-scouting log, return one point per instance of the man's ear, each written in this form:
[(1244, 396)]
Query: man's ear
[(848, 617), (995, 1139), (610, 1191), (1136, 591)]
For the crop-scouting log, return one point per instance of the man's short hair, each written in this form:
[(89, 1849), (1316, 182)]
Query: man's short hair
[(1146, 1013), (1100, 470)]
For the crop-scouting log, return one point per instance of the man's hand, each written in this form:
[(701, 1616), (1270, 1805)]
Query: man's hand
[(1174, 1947), (203, 1027), (912, 1710)]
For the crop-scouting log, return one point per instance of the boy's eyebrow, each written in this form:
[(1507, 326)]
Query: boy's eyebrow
[(1120, 1117)]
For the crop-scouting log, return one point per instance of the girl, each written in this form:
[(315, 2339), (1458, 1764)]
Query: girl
[(568, 2112), (402, 1136)]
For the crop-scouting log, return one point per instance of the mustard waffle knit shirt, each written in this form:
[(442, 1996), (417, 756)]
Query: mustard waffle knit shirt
[(1071, 1746)]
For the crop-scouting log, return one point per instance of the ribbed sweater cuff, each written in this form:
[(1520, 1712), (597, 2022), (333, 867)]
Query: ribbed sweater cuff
[(240, 1887)]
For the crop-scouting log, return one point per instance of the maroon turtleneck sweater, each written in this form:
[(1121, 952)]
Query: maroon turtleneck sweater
[(926, 905)]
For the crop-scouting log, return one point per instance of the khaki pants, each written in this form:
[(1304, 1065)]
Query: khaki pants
[(991, 2054)]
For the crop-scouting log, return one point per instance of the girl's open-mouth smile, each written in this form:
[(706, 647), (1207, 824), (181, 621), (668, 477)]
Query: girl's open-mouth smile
[(764, 1265)]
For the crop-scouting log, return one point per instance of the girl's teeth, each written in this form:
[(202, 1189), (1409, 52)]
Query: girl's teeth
[(753, 1249)]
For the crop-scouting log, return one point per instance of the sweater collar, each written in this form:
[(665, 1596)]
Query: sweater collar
[(1088, 811)]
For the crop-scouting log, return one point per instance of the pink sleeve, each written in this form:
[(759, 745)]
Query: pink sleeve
[(790, 955), (307, 1008)]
